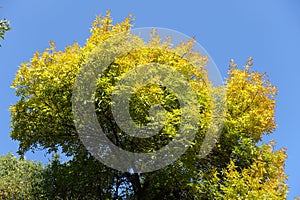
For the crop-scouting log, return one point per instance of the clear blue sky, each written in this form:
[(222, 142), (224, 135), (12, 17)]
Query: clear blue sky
[(268, 30)]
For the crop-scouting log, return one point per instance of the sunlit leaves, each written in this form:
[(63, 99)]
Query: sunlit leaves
[(264, 179), (251, 102), (4, 26), (237, 168)]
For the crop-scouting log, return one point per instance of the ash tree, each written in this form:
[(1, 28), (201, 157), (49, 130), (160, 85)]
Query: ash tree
[(236, 168)]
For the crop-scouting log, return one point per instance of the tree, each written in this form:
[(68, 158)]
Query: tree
[(237, 168), (20, 179), (77, 179), (4, 27)]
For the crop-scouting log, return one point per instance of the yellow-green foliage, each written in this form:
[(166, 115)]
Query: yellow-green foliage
[(237, 168), (251, 103), (20, 179)]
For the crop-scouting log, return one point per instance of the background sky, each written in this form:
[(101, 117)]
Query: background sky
[(267, 30)]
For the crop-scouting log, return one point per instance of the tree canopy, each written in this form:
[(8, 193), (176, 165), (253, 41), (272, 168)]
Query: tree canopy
[(236, 168), (20, 179)]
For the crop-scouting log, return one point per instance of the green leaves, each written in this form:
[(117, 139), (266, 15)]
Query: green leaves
[(20, 179), (237, 168), (263, 179), (4, 26)]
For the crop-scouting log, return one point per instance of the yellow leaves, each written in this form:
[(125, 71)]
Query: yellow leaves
[(251, 101), (235, 169), (45, 84), (102, 29), (265, 178)]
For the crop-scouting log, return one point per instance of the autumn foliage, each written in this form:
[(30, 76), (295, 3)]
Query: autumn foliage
[(237, 167)]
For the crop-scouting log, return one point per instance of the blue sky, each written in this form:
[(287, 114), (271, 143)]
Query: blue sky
[(267, 30)]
